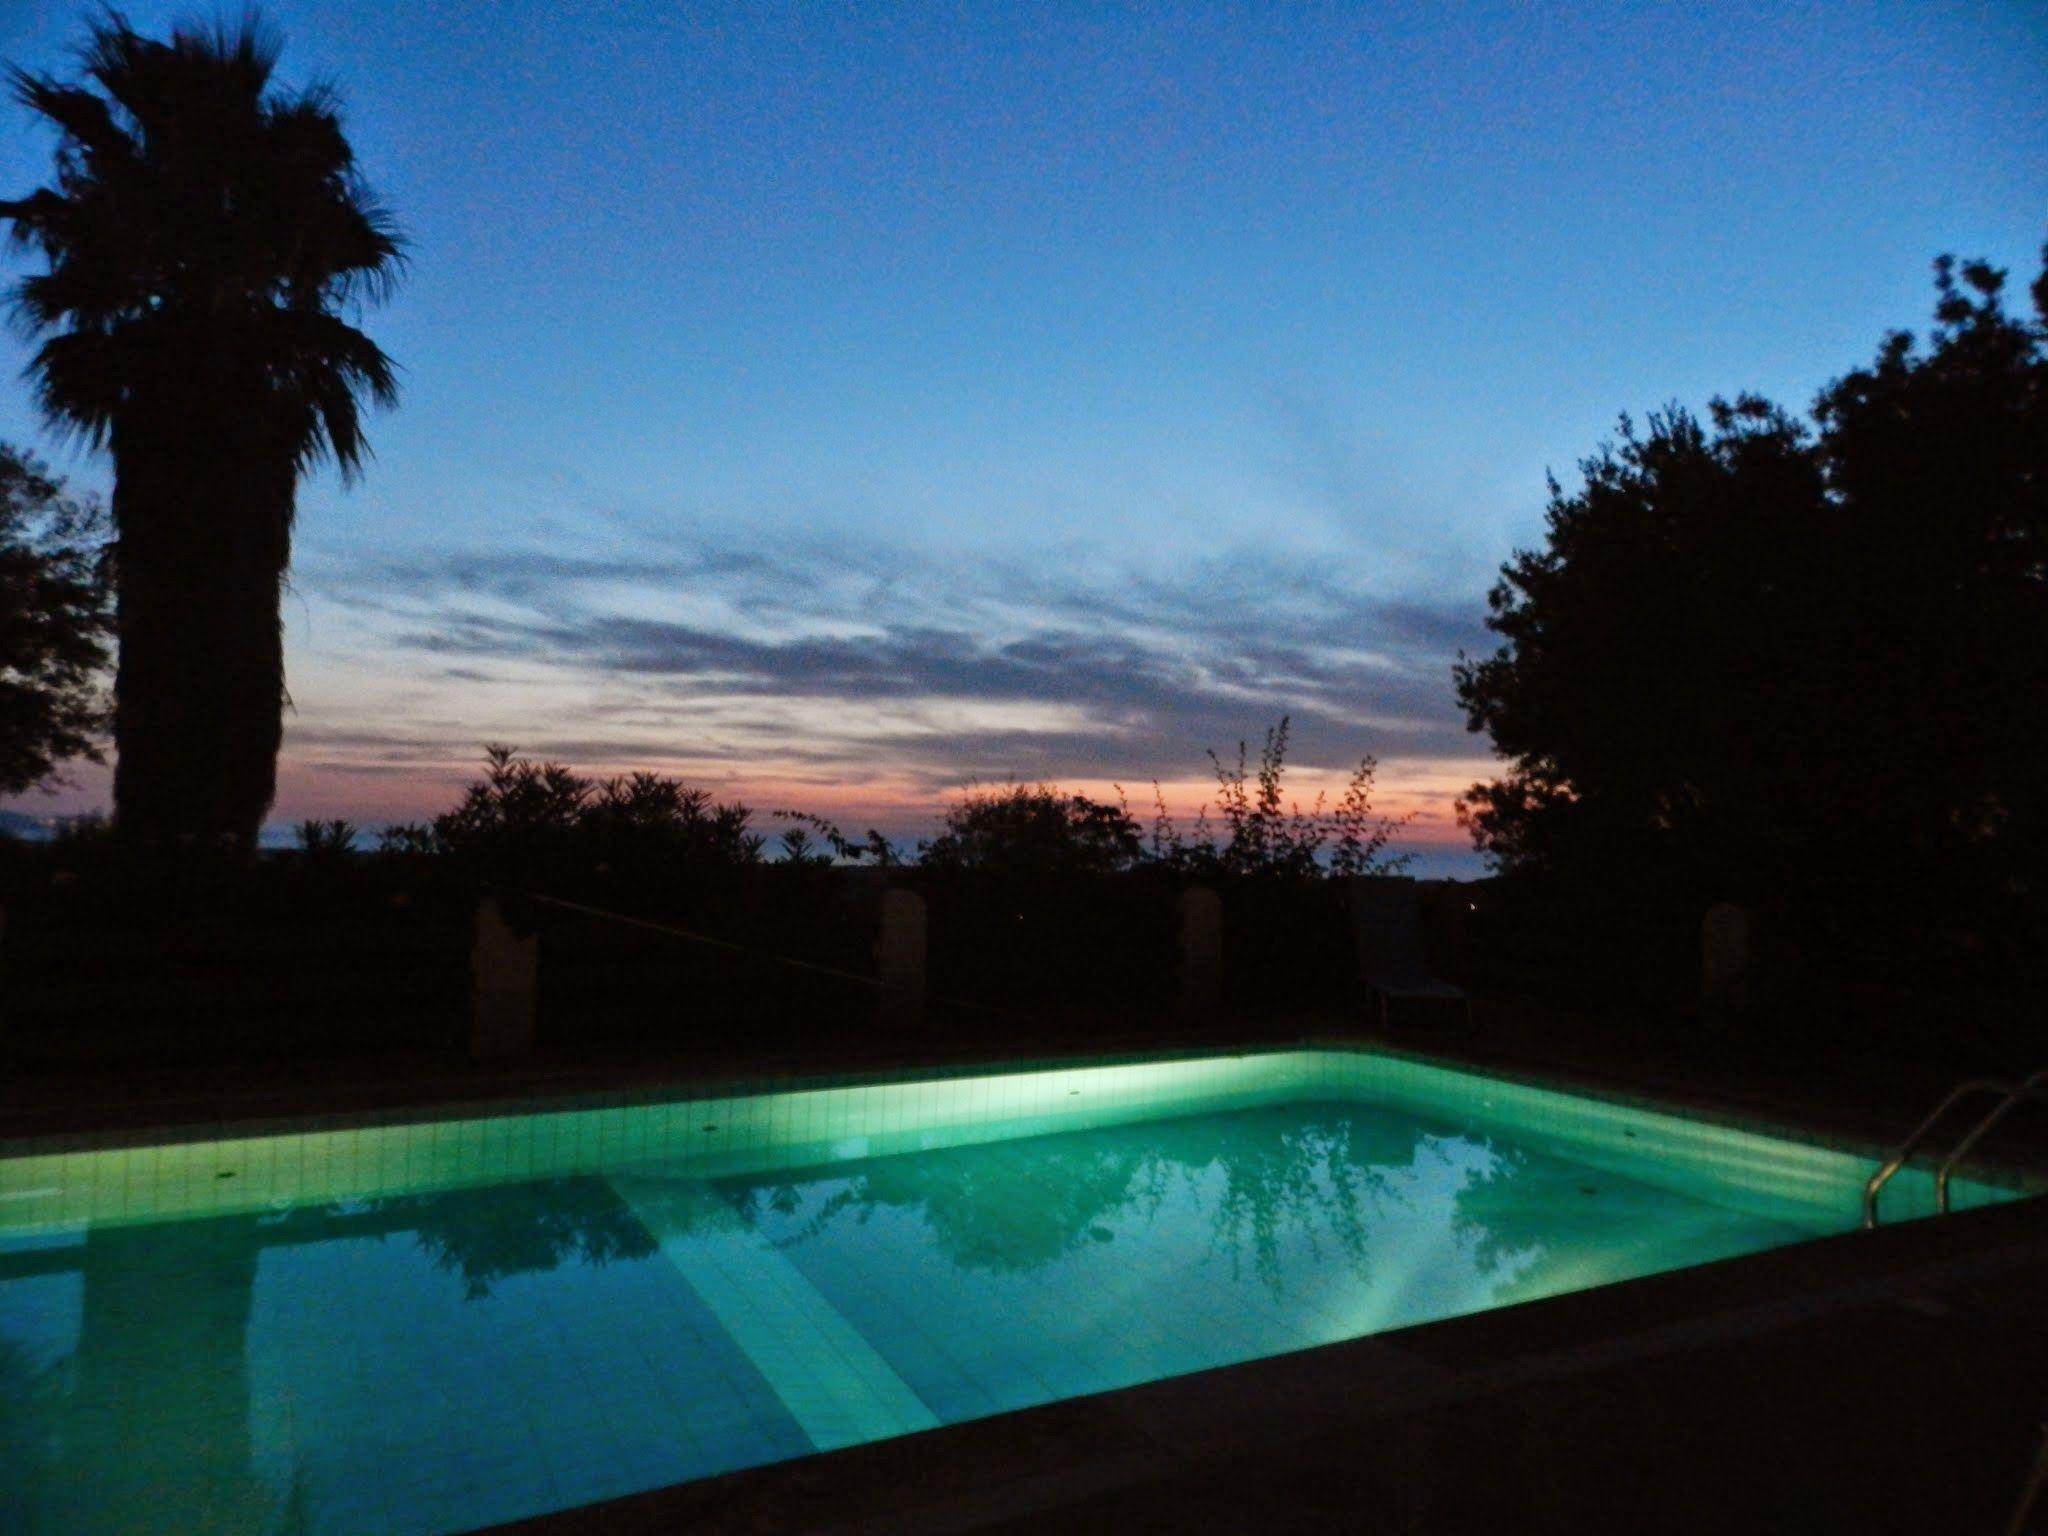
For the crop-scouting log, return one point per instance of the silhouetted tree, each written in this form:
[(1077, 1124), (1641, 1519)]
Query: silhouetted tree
[(1937, 469), (529, 821), (54, 625), (1264, 834), (204, 234), (1635, 694), (1035, 830), (1041, 830), (1781, 661), (324, 842)]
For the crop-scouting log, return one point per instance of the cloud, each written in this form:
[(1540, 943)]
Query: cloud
[(903, 672)]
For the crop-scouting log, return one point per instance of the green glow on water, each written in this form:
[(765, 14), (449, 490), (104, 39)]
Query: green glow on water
[(431, 1327)]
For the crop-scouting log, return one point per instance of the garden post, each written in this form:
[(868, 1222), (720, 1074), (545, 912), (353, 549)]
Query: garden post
[(900, 960), (1727, 966), (504, 968), (1201, 955)]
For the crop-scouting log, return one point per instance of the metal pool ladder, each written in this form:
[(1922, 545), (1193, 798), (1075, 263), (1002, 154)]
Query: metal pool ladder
[(2009, 1096)]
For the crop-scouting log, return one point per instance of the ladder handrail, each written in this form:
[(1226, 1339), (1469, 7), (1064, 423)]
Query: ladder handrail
[(2035, 1087), (1903, 1153)]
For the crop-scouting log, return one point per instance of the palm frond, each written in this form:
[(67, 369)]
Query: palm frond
[(191, 191), (84, 118), (36, 220), (329, 369), (78, 383)]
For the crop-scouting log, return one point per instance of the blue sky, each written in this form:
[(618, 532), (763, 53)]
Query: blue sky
[(839, 404)]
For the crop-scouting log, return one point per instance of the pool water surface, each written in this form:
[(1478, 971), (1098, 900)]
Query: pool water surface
[(425, 1359)]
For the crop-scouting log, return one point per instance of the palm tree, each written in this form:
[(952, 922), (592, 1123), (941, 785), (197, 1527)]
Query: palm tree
[(204, 236)]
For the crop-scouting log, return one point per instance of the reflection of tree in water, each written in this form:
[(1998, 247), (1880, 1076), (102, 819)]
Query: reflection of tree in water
[(1505, 1231), (1307, 1178), (154, 1390), (1338, 1172), (1261, 1180), (296, 1516), (488, 1235), (986, 1207), (1319, 1175), (25, 1394)]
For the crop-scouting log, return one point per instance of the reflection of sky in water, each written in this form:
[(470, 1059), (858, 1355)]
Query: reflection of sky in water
[(441, 1361)]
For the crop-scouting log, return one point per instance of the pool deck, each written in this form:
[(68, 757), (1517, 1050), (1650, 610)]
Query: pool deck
[(1869, 1098), (1873, 1382)]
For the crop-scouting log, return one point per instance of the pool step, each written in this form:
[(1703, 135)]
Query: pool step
[(830, 1378)]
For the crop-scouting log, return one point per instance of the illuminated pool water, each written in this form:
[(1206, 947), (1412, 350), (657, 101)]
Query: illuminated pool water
[(435, 1326)]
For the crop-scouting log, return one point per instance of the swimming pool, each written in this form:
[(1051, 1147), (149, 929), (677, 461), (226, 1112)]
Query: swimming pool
[(433, 1325)]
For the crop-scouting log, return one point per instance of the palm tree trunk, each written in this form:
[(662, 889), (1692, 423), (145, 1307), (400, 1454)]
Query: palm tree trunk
[(202, 514)]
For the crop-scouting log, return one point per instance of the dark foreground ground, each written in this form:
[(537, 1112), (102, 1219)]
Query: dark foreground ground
[(1886, 1382), (1869, 1094)]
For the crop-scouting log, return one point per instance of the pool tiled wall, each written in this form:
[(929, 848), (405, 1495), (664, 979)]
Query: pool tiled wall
[(67, 1184), (1773, 1176), (703, 1136)]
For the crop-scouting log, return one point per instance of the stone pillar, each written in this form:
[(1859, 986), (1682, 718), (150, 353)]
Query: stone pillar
[(504, 969), (1201, 955), (1727, 966), (899, 961)]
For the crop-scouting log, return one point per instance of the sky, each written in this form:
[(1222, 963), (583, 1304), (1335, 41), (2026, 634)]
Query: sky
[(837, 406)]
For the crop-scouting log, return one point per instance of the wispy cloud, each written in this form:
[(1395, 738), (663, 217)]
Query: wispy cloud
[(878, 676)]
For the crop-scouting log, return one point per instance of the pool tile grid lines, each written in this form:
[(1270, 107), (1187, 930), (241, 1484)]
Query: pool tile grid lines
[(839, 1389), (796, 1123), (148, 1182)]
